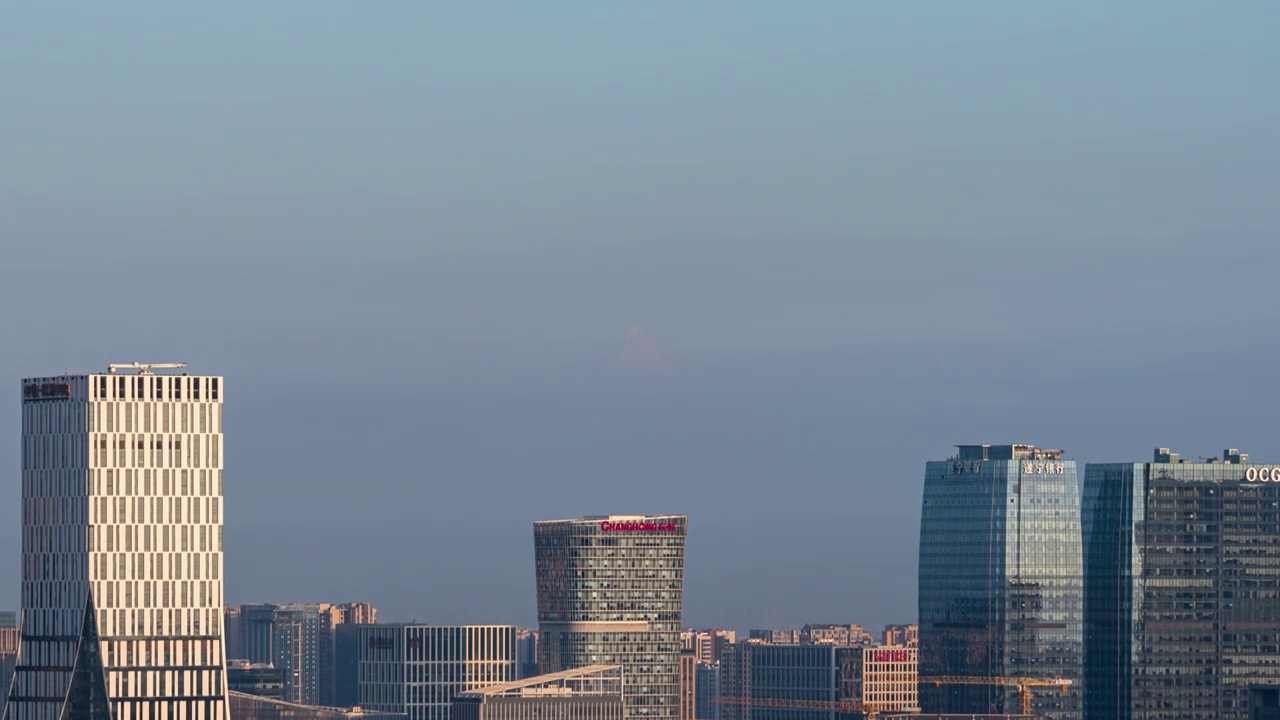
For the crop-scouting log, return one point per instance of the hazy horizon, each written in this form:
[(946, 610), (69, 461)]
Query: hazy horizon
[(465, 268)]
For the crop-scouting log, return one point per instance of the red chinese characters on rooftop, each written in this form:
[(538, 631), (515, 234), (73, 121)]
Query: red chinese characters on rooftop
[(629, 526)]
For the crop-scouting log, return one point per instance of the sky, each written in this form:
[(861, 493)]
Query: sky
[(466, 266)]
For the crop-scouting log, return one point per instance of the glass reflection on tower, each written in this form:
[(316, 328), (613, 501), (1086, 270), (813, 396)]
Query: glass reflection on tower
[(1001, 579)]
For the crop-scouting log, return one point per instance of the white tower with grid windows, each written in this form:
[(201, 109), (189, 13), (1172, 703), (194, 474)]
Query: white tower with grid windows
[(121, 548)]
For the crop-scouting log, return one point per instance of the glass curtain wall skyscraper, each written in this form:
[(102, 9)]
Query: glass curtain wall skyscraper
[(121, 548), (610, 591), (1001, 579), (1182, 589)]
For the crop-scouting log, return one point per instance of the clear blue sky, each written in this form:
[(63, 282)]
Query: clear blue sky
[(415, 237)]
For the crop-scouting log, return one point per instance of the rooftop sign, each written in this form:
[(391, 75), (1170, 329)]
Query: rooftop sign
[(1043, 468), (607, 526), (900, 656), (46, 391), (1262, 474)]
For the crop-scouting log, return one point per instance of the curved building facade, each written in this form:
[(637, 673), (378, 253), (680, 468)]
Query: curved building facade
[(610, 591), (1001, 579)]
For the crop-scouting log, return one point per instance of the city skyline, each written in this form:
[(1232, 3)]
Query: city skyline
[(469, 267)]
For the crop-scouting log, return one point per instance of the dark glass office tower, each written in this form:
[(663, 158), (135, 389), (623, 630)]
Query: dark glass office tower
[(1182, 611), (1001, 581)]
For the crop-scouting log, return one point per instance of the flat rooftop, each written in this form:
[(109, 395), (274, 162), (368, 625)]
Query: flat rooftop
[(1007, 452), (557, 683), (610, 518)]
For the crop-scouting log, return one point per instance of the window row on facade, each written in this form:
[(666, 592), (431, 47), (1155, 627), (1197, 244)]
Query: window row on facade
[(141, 418), (154, 387)]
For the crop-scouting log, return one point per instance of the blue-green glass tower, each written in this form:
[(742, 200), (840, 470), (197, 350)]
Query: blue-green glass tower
[(1182, 603), (1001, 579)]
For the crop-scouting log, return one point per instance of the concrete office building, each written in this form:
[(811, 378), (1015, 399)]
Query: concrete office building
[(610, 591), (122, 548), (889, 678), (1182, 589), (1001, 579), (419, 669), (590, 693)]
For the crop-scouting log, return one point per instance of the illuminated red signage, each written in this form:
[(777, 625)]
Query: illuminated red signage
[(46, 391), (607, 526), (890, 656)]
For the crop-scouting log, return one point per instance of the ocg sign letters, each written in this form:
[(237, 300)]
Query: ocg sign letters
[(1262, 474)]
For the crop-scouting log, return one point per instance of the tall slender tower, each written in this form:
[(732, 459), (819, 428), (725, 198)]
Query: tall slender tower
[(121, 548), (1001, 579), (610, 591)]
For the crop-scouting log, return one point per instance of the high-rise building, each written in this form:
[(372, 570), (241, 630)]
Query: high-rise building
[(610, 592), (298, 641), (527, 652), (358, 613), (707, 681), (232, 632), (688, 685), (1001, 579), (707, 645), (122, 548), (907, 635), (257, 633), (420, 669), (1182, 585)]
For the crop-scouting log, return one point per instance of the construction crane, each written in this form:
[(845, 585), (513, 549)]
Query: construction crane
[(1023, 684), (845, 706), (143, 368)]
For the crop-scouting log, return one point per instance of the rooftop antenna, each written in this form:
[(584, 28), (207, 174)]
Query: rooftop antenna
[(143, 368)]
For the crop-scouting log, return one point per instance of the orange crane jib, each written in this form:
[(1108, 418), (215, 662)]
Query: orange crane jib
[(1023, 685)]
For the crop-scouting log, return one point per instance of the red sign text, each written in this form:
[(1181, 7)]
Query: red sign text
[(607, 526), (890, 656)]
